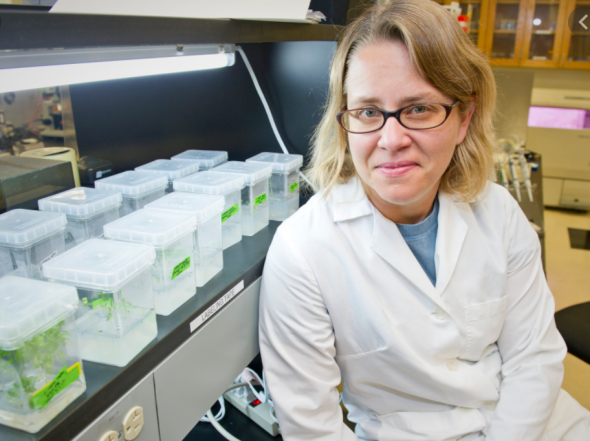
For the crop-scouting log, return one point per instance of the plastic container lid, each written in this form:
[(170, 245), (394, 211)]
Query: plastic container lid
[(100, 264), (81, 203), (251, 171), (171, 169), (206, 158), (203, 206), (210, 183), (152, 227), (281, 162), (22, 228), (29, 306), (133, 184)]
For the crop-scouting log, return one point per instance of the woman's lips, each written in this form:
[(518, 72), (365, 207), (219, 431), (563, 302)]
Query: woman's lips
[(396, 168)]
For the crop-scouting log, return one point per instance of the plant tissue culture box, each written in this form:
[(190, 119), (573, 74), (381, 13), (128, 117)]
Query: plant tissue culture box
[(207, 239), (227, 185), (40, 368), (116, 317), (27, 239), (254, 195), (284, 183), (136, 188), (171, 169), (207, 159), (171, 234), (86, 209)]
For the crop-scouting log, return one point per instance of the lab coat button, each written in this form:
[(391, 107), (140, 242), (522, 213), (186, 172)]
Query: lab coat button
[(453, 365), (440, 314), (491, 405)]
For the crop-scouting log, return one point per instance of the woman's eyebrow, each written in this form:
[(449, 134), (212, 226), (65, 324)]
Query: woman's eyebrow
[(365, 100)]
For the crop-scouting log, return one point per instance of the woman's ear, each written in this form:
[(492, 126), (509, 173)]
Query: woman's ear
[(465, 120)]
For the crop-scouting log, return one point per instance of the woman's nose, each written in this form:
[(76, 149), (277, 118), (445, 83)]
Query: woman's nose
[(394, 136)]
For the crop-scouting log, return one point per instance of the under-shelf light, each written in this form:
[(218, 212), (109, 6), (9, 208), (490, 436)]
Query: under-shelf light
[(22, 70)]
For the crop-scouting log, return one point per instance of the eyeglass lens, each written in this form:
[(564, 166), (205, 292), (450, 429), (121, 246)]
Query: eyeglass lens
[(423, 116)]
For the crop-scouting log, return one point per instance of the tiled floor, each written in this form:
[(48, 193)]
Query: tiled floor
[(568, 275)]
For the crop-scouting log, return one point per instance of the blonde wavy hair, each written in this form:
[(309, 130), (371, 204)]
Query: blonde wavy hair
[(446, 58)]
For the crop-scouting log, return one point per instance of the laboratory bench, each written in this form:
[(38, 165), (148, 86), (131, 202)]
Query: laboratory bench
[(200, 349)]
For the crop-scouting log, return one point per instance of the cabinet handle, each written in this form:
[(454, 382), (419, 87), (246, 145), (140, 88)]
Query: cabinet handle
[(521, 55)]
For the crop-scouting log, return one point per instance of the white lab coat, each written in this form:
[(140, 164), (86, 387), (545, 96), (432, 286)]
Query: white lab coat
[(343, 297)]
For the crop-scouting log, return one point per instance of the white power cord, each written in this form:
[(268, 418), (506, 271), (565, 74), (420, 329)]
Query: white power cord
[(220, 429), (267, 109)]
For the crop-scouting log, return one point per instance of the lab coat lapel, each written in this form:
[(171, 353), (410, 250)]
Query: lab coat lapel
[(388, 242), (450, 237)]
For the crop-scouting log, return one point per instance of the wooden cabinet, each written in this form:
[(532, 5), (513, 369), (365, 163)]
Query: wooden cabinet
[(534, 33), (575, 53)]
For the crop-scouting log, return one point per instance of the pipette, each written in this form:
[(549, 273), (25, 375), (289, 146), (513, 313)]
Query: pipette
[(514, 176), (525, 173)]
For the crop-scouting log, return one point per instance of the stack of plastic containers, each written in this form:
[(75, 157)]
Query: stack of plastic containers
[(136, 188), (284, 183), (254, 195), (116, 318), (171, 234), (207, 159), (86, 209), (227, 185), (27, 239), (176, 169), (208, 251), (40, 368)]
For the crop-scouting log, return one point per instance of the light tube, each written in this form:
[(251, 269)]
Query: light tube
[(24, 78)]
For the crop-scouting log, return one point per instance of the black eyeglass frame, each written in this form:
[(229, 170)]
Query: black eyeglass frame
[(397, 115)]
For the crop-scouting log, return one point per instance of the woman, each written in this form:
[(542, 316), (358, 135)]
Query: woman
[(410, 277)]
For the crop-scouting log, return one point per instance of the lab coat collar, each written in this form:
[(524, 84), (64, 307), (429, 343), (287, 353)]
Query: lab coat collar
[(388, 242), (350, 201)]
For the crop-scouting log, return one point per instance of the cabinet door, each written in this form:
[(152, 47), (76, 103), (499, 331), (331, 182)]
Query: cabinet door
[(544, 30), (506, 31), (477, 11), (576, 45)]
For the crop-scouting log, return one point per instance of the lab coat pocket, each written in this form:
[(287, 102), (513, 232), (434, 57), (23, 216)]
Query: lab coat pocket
[(484, 323)]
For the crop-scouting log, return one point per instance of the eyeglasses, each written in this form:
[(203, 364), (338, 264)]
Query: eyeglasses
[(414, 117)]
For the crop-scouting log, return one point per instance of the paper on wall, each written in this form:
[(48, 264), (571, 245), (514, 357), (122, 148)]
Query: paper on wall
[(280, 10)]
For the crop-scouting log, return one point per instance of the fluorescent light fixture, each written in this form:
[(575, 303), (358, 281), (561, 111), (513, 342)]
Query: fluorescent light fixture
[(22, 70)]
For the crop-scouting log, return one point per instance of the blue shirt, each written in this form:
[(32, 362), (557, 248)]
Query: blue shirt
[(421, 238)]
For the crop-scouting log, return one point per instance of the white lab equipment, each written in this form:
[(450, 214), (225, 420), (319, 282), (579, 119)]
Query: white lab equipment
[(136, 187), (207, 159), (255, 205), (176, 169), (86, 209), (171, 234), (116, 318), (207, 239), (27, 239), (227, 185), (284, 183), (40, 368)]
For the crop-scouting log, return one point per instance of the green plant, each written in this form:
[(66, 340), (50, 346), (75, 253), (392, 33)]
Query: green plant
[(38, 353), (106, 303)]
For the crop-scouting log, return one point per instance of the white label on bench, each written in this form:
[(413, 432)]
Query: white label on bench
[(196, 323)]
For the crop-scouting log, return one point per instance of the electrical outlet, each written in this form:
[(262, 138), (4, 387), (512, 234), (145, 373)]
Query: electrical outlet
[(259, 414), (133, 423), (111, 435)]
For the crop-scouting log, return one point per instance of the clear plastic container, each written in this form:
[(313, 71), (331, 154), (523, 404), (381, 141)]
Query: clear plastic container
[(207, 239), (137, 188), (171, 234), (27, 239), (115, 319), (227, 185), (176, 169), (254, 195), (207, 159), (86, 209), (284, 183), (40, 368)]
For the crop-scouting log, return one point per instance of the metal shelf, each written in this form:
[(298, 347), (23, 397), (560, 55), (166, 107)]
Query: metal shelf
[(28, 29)]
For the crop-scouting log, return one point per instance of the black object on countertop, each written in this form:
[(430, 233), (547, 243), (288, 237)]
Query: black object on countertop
[(92, 169), (574, 325), (106, 384)]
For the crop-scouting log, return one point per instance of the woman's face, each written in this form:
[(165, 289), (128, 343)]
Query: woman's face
[(400, 168)]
